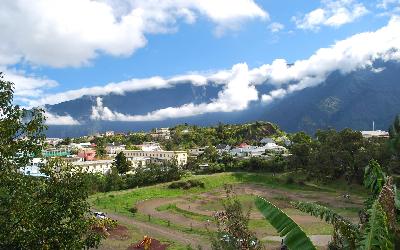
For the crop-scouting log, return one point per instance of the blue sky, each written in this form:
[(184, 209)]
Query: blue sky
[(195, 47), (68, 45)]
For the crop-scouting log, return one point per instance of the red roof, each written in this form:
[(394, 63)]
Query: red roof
[(243, 145)]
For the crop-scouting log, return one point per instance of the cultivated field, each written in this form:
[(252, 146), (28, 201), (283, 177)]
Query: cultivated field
[(185, 217)]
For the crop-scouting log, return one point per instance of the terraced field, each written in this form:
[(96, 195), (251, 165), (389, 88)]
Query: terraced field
[(184, 217)]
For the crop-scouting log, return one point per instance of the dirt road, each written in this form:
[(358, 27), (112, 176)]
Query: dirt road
[(162, 232)]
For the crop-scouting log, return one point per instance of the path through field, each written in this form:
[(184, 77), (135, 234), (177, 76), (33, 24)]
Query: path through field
[(195, 205), (162, 232)]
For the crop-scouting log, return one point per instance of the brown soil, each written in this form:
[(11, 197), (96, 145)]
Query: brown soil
[(119, 233), (162, 232), (155, 245), (148, 207)]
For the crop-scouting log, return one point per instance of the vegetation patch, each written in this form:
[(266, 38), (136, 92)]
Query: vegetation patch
[(186, 184), (188, 214)]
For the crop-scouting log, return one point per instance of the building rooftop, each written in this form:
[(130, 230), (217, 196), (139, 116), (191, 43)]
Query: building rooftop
[(375, 133)]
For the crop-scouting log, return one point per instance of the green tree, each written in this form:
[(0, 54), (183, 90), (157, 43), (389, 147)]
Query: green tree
[(114, 181), (35, 212), (233, 231), (66, 141), (210, 154), (122, 164), (100, 148), (301, 150)]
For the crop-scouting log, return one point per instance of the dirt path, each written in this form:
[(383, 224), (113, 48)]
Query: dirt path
[(149, 207), (318, 240), (162, 232)]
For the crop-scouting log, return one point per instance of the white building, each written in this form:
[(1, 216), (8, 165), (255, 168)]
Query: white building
[(266, 140), (161, 133), (375, 133), (151, 146), (113, 149), (247, 150), (272, 147), (156, 156), (100, 166), (196, 151), (109, 133), (33, 168), (138, 161), (53, 141), (222, 148)]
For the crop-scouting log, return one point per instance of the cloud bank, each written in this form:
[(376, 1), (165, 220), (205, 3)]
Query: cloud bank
[(344, 56), (53, 119), (240, 82), (236, 95)]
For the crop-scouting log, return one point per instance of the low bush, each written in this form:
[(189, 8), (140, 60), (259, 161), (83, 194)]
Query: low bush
[(289, 180), (133, 210), (186, 184)]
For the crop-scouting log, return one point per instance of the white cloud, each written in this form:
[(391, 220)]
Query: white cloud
[(276, 27), (62, 33), (220, 77), (345, 56), (27, 86), (236, 95), (390, 7), (53, 119), (385, 4), (333, 13)]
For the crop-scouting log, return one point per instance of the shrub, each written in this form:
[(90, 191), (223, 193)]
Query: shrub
[(196, 183), (186, 184), (289, 180), (301, 183), (133, 210)]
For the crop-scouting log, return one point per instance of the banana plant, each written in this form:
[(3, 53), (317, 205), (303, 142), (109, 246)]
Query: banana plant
[(377, 231), (345, 232), (295, 237), (377, 234)]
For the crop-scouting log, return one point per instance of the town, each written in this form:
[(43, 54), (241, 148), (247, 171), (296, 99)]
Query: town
[(87, 156), (199, 125)]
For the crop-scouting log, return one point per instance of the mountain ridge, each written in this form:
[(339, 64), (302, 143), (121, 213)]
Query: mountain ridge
[(350, 100)]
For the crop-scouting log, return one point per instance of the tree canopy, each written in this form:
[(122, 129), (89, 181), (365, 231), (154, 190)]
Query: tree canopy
[(38, 212)]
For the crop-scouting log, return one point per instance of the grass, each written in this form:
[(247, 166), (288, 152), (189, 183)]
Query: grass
[(258, 225), (121, 201), (188, 214), (166, 223)]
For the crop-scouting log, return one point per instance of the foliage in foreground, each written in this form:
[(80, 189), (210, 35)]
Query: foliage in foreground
[(233, 227), (38, 212), (343, 230), (152, 173), (378, 226), (294, 236)]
